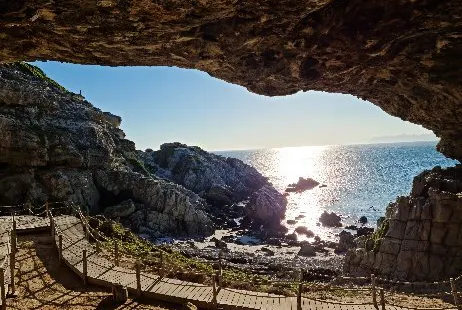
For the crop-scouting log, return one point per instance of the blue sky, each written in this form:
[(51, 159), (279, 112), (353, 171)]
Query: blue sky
[(165, 104)]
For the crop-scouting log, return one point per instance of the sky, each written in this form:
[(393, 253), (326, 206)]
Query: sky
[(167, 104)]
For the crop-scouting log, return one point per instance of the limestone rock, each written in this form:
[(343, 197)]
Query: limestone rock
[(267, 206), (56, 146), (218, 179), (419, 240)]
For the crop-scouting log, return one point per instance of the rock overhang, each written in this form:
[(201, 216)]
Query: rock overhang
[(403, 56)]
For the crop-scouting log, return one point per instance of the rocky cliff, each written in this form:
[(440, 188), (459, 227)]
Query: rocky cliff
[(221, 181), (57, 147), (421, 236), (401, 55)]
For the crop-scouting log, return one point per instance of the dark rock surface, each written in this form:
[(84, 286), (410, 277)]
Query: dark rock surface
[(420, 238), (330, 219), (400, 55)]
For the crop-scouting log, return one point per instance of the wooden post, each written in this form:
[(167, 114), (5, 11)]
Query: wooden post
[(48, 210), (12, 265), (454, 293), (220, 271), (60, 248), (2, 288), (52, 227), (374, 292), (13, 237), (161, 264), (138, 278), (300, 290), (382, 299), (116, 253), (84, 267), (215, 292)]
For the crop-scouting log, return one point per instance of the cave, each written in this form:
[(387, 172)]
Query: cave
[(403, 56)]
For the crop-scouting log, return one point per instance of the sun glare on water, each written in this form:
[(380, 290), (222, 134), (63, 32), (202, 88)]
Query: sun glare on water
[(288, 164)]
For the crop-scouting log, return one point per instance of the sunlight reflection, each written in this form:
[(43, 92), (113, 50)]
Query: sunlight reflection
[(305, 207)]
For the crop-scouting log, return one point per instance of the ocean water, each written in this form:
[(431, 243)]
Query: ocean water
[(360, 179)]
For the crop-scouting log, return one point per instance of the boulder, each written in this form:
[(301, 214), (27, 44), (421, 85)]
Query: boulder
[(306, 249), (362, 220), (123, 209), (302, 230), (330, 219), (267, 207), (346, 242), (364, 231)]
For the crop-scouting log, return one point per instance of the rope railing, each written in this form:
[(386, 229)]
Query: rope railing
[(379, 298)]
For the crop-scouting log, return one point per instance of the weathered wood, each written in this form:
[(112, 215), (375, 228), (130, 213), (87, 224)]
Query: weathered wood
[(382, 299), (60, 248), (116, 253), (374, 292), (84, 267), (2, 287), (454, 293), (12, 262), (138, 277), (215, 292)]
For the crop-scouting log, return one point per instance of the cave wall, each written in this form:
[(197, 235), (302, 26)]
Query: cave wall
[(401, 55)]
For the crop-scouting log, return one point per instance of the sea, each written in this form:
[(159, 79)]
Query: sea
[(357, 180)]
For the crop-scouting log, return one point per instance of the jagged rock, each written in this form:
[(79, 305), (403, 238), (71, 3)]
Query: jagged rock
[(302, 185), (267, 206), (346, 241), (218, 179), (304, 231), (364, 231), (307, 250), (419, 240), (56, 146), (330, 219), (123, 209)]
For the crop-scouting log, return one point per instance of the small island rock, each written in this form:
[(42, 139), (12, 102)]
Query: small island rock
[(302, 185)]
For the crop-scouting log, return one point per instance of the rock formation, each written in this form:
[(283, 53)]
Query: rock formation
[(218, 179), (421, 236), (56, 146), (400, 55)]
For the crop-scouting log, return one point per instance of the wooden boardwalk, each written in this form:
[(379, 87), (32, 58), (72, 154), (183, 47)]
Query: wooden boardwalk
[(100, 271)]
